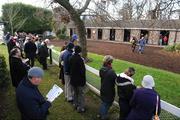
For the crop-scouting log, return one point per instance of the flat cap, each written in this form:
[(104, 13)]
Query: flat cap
[(35, 72)]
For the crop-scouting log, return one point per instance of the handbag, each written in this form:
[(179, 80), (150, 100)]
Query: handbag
[(156, 117)]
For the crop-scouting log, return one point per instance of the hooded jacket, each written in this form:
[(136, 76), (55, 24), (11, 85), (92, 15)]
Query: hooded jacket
[(107, 90), (125, 85)]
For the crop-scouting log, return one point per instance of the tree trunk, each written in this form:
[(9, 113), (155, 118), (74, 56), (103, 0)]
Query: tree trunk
[(75, 16), (81, 34)]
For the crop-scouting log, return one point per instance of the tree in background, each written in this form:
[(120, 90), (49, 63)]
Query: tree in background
[(27, 18), (75, 15)]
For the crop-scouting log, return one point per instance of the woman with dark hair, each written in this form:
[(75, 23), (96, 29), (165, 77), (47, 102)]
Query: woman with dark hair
[(78, 79), (18, 68)]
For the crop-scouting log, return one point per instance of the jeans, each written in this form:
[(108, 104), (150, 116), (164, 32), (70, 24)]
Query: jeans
[(43, 61), (141, 49), (104, 108), (31, 61)]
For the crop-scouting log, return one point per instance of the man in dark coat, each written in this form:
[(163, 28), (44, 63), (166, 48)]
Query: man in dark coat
[(31, 103), (125, 85), (18, 69), (30, 51), (107, 90), (144, 101), (78, 78), (43, 54), (11, 44), (66, 59)]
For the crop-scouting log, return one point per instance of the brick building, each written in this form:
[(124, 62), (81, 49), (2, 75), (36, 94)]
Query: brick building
[(123, 31)]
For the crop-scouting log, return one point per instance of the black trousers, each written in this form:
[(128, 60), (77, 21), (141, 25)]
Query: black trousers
[(61, 74), (31, 60), (43, 61), (124, 109)]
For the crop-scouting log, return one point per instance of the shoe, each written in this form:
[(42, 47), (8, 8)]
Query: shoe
[(75, 106), (80, 110), (70, 101), (98, 116)]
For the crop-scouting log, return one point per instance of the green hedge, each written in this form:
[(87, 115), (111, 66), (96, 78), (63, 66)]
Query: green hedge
[(61, 34), (177, 47), (4, 74), (172, 48)]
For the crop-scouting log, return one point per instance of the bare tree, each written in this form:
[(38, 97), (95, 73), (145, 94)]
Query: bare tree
[(12, 14), (75, 16)]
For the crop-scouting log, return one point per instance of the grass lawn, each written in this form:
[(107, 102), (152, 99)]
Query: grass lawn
[(167, 83), (60, 109)]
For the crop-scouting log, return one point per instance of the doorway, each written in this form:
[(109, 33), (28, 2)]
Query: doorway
[(164, 35), (112, 34), (100, 33), (127, 35)]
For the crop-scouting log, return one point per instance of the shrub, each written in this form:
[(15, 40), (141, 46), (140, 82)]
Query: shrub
[(170, 48), (177, 47), (4, 74), (63, 37), (61, 34)]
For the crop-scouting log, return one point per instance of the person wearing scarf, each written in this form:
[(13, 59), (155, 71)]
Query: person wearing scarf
[(125, 86)]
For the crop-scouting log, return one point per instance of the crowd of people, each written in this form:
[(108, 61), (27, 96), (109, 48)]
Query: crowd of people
[(135, 103), (23, 49)]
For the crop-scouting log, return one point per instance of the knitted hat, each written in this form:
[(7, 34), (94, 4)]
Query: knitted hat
[(148, 82), (35, 72), (74, 37)]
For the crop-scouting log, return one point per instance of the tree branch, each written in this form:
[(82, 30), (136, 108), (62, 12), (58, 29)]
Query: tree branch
[(80, 11)]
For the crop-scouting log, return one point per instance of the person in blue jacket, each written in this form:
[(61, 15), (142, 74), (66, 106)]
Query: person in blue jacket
[(31, 103), (142, 43), (144, 101), (66, 59)]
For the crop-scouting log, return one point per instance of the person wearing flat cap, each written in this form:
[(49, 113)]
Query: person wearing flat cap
[(107, 89), (32, 105), (145, 102)]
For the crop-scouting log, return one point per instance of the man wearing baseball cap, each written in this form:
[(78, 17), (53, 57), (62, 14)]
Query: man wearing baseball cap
[(31, 103)]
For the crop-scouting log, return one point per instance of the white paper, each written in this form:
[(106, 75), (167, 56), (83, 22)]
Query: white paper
[(54, 93), (25, 60)]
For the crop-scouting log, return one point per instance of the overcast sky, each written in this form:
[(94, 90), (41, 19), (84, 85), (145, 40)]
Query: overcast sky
[(45, 4)]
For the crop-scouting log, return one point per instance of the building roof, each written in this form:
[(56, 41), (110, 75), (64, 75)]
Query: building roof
[(133, 24)]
